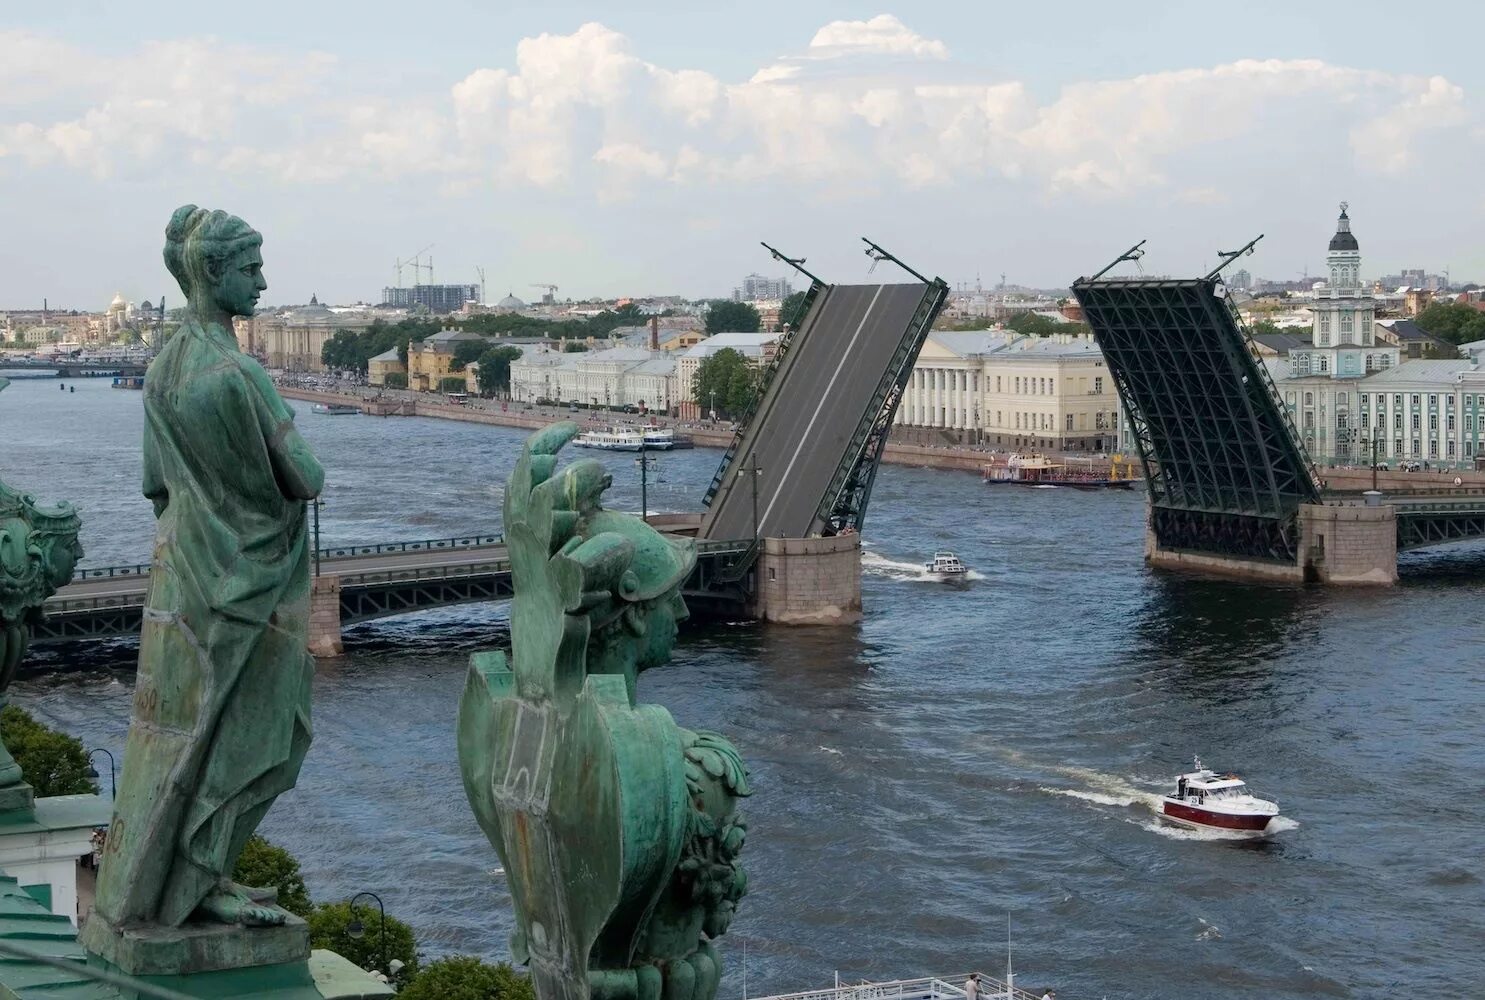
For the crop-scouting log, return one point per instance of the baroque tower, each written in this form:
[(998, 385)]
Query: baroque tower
[(1342, 333)]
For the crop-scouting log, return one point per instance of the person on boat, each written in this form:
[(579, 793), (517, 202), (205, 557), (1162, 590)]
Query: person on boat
[(972, 987)]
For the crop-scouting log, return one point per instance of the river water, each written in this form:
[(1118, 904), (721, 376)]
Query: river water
[(960, 756)]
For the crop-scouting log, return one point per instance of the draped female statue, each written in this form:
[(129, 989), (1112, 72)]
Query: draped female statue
[(221, 706)]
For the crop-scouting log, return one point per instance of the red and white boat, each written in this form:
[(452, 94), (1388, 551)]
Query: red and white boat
[(1206, 800)]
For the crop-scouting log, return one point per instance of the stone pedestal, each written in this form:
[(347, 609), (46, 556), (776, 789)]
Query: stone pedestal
[(195, 948), (1349, 544), (324, 617), (809, 581)]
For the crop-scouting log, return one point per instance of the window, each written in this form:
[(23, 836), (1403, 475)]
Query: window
[(1469, 421), (1366, 399), (1415, 399), (1309, 399), (1289, 398), (1397, 399), (1309, 420), (1449, 450), (1324, 364), (1433, 449), (1433, 400), (1397, 448), (1346, 322), (1417, 447), (1417, 422), (1301, 364), (1340, 400), (1098, 385), (1397, 421), (1018, 420), (1325, 324), (1449, 401), (1366, 420), (1069, 421), (1450, 426), (997, 383), (1018, 385), (1433, 421)]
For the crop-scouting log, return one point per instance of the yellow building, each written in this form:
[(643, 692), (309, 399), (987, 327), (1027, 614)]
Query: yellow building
[(431, 361), (384, 364), (1002, 389)]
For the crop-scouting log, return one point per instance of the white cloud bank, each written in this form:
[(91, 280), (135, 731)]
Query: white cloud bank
[(855, 108)]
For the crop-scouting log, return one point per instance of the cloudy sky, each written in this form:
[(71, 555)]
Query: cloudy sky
[(619, 153)]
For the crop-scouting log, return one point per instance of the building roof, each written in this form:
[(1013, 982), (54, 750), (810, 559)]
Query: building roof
[(747, 344), (390, 355), (1406, 330), (655, 366), (967, 343), (452, 335), (1282, 343), (510, 302), (618, 354), (1422, 371), (1473, 347)]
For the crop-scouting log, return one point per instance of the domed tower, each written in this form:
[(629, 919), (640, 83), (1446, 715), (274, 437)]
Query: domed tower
[(1344, 257), (1343, 310)]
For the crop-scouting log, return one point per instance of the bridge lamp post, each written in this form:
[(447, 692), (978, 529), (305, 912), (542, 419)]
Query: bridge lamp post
[(113, 773), (755, 472), (357, 930), (645, 463), (315, 505)]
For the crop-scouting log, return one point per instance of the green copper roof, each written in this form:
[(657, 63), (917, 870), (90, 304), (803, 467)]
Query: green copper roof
[(26, 922)]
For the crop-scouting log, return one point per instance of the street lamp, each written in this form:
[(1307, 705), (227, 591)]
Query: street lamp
[(357, 930), (645, 464), (315, 505), (113, 773), (755, 472), (712, 410)]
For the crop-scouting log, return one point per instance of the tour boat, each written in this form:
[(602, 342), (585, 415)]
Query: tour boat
[(946, 566), (335, 409), (1209, 801), (611, 439), (659, 438), (1040, 472)]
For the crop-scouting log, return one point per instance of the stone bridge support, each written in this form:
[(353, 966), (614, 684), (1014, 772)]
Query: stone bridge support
[(324, 617), (809, 581), (1349, 544)]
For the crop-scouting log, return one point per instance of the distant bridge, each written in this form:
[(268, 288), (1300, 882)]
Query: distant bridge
[(1230, 483), (372, 581), (85, 366)]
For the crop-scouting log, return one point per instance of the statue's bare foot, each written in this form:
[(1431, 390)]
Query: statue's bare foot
[(267, 894), (231, 907)]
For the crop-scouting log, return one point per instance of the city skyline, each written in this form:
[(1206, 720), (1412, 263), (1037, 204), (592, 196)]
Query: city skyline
[(623, 154)]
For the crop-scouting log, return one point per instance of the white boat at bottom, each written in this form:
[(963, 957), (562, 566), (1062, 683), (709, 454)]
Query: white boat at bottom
[(946, 566), (1205, 800)]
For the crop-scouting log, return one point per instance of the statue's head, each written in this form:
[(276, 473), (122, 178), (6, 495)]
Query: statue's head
[(54, 532), (216, 258), (644, 608)]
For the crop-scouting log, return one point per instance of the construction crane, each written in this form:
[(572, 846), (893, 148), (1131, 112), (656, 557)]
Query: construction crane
[(481, 272), (550, 298), (416, 263)]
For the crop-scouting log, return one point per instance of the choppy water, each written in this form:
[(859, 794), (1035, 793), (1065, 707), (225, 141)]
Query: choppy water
[(964, 753)]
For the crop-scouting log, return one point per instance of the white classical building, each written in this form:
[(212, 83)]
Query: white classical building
[(620, 376), (1002, 388), (1350, 394)]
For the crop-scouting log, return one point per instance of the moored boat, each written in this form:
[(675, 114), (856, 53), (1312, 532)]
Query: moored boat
[(1078, 473), (1206, 800), (611, 439), (335, 409), (659, 438)]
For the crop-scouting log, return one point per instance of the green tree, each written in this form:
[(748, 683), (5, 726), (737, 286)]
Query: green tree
[(462, 977), (1032, 325), (1455, 322), (1266, 326), (574, 347), (466, 351), (263, 864), (791, 313), (728, 379), (395, 380), (330, 927), (494, 373), (453, 383), (52, 763), (727, 316)]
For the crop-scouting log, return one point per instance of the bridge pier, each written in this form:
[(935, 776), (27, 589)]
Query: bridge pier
[(809, 581), (324, 617), (1349, 544), (1341, 545)]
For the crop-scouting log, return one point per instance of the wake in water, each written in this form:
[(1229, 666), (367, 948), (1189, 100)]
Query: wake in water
[(908, 572), (1140, 803)]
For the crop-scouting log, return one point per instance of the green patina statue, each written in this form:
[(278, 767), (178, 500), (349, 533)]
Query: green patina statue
[(222, 701), (38, 552), (619, 830)]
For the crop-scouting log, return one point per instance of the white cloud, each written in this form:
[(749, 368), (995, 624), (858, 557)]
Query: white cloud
[(583, 110)]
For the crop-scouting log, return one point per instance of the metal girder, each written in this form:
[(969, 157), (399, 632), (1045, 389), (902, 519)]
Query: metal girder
[(844, 505), (1420, 528), (1225, 470)]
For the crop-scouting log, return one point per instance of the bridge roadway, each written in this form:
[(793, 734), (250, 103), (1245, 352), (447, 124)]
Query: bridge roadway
[(375, 581), (811, 427)]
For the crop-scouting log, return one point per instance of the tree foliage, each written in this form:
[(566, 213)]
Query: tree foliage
[(466, 351), (729, 376), (330, 927), (1266, 327), (1455, 322), (791, 313), (727, 316), (574, 347), (453, 383), (462, 977), (52, 763), (1032, 325), (395, 380), (494, 371), (263, 864)]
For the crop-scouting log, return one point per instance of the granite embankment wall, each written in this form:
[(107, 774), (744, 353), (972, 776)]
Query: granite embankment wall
[(964, 459)]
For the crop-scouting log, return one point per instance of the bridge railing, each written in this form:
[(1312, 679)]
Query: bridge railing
[(930, 988), (326, 552)]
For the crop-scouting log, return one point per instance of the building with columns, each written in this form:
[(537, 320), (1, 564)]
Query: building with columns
[(1350, 394), (1012, 391)]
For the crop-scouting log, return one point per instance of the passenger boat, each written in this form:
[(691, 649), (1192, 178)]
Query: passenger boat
[(611, 439), (946, 566), (1041, 472), (659, 438), (335, 409), (1205, 800)]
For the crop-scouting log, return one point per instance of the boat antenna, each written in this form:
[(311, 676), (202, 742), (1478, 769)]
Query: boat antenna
[(1198, 762), (745, 969), (1010, 977)]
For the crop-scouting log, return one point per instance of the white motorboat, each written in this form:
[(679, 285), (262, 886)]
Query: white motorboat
[(659, 438), (946, 566), (1206, 800)]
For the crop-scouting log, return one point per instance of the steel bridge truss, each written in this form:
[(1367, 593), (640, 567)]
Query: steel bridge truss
[(1225, 470), (1438, 525)]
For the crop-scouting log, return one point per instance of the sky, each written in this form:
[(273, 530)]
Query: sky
[(628, 153)]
